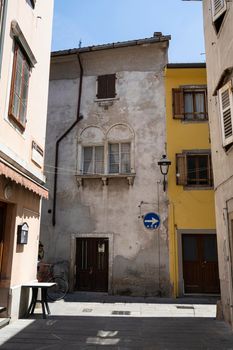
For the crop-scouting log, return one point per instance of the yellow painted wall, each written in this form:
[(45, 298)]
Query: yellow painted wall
[(188, 209)]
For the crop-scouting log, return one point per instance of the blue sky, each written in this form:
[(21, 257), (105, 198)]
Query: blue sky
[(106, 21)]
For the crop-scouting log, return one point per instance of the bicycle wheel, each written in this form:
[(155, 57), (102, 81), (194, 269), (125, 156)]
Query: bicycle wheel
[(58, 291)]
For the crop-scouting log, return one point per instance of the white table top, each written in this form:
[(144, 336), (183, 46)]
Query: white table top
[(39, 285)]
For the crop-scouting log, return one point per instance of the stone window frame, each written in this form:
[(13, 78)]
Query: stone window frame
[(80, 176)]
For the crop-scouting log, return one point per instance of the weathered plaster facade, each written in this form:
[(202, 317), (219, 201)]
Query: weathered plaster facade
[(103, 205), (219, 56)]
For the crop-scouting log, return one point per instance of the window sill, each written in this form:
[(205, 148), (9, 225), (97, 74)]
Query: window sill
[(198, 188), (105, 177), (106, 102), (17, 123), (186, 121)]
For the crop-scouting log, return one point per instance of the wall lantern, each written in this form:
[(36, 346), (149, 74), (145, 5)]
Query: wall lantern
[(164, 164), (22, 233)]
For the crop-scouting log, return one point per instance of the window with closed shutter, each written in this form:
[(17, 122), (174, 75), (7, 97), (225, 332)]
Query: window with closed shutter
[(106, 86), (226, 112), (218, 12)]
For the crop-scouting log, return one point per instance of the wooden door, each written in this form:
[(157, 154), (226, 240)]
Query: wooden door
[(92, 264), (2, 229), (200, 264)]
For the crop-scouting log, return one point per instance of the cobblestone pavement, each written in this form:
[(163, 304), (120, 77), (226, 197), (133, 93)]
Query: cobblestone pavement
[(82, 322)]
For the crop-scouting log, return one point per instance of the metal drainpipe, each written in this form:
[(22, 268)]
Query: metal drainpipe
[(78, 118)]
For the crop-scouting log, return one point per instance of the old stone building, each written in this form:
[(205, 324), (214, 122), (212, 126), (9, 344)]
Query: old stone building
[(105, 135), (218, 26)]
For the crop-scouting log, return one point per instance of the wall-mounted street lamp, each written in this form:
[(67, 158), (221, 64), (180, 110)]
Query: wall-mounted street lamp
[(164, 164)]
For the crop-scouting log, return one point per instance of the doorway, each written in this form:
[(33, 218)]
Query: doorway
[(2, 232), (200, 264), (92, 257)]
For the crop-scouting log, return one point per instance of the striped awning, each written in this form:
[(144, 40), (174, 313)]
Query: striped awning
[(20, 178)]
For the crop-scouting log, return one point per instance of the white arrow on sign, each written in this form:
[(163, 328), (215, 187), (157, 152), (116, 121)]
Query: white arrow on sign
[(153, 221)]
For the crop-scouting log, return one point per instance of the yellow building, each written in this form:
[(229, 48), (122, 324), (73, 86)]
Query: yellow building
[(192, 235)]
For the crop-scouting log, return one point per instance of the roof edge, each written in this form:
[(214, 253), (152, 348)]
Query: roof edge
[(152, 40), (187, 65)]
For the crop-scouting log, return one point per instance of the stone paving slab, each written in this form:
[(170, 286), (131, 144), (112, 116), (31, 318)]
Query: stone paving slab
[(64, 307)]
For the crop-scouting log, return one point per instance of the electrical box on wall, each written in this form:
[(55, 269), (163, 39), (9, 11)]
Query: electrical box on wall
[(22, 233)]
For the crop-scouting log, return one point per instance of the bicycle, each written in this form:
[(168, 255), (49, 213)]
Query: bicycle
[(46, 274)]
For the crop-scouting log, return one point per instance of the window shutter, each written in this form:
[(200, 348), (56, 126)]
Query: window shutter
[(226, 112), (102, 86), (218, 8), (181, 169), (111, 78), (178, 103)]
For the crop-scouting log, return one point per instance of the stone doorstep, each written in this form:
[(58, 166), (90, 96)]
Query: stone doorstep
[(4, 322)]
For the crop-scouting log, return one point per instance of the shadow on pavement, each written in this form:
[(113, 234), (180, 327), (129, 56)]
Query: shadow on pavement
[(106, 298), (69, 333)]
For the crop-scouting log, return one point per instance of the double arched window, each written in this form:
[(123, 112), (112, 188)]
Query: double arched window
[(103, 152)]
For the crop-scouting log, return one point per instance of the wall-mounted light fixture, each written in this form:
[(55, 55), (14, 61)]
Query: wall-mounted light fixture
[(164, 164)]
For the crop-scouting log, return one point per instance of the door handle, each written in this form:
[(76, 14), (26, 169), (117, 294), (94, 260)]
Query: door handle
[(203, 263)]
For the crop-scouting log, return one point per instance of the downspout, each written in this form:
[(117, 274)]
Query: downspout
[(78, 118)]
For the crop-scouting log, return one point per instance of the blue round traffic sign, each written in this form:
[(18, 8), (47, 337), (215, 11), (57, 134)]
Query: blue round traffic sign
[(151, 221)]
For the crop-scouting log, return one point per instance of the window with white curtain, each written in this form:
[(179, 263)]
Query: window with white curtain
[(119, 158), (190, 103), (93, 160)]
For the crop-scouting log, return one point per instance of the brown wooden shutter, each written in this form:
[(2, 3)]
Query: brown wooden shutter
[(102, 86), (181, 169), (106, 86), (178, 103), (111, 79)]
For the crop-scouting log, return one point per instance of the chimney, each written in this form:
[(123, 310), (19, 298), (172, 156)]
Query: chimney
[(158, 34)]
